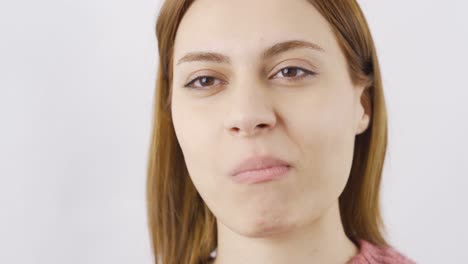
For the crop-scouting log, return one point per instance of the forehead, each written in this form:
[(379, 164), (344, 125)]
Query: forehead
[(245, 27)]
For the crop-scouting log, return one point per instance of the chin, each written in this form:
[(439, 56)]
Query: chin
[(266, 227)]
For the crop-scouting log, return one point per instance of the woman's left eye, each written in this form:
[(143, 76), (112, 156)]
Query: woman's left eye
[(295, 73)]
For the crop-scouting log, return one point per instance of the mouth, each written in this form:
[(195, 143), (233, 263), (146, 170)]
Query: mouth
[(259, 169), (262, 175)]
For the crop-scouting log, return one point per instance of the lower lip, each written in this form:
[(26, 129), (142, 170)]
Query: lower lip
[(257, 176)]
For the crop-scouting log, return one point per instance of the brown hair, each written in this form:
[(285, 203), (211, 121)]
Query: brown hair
[(182, 228)]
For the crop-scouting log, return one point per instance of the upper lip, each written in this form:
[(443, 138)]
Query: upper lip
[(258, 163)]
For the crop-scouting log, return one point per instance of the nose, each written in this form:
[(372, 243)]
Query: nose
[(251, 113)]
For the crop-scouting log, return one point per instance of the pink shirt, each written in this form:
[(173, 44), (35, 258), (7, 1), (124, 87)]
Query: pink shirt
[(371, 254)]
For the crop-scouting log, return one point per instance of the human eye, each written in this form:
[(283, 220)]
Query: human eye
[(295, 73), (204, 82)]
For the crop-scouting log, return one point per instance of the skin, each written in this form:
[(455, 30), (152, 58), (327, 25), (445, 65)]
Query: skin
[(259, 106)]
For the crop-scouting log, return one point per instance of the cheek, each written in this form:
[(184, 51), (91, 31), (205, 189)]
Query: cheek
[(191, 126), (194, 132), (326, 141)]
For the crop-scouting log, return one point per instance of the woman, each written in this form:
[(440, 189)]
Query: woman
[(269, 135)]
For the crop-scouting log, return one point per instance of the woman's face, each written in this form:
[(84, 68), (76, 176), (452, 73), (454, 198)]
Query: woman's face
[(297, 104)]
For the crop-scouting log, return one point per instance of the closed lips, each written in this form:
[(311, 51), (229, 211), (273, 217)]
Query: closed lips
[(258, 163)]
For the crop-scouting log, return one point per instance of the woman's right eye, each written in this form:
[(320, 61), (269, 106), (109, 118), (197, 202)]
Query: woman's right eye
[(204, 81)]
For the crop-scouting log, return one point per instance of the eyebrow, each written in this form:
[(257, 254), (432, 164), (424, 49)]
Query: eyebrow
[(268, 53)]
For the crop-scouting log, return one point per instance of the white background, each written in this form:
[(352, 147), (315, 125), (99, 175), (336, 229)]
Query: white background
[(76, 93)]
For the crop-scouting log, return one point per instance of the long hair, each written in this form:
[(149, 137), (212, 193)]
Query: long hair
[(182, 228)]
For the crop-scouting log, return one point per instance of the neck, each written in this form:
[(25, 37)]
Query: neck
[(321, 241)]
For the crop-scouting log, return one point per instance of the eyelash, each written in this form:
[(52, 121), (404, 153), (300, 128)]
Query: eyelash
[(307, 73)]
